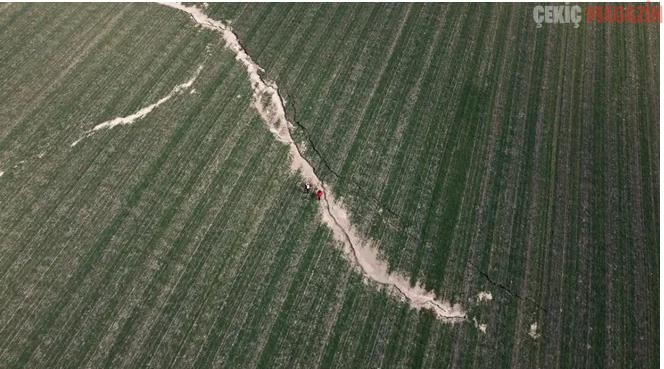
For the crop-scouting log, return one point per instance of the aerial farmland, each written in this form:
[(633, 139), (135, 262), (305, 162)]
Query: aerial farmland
[(327, 186)]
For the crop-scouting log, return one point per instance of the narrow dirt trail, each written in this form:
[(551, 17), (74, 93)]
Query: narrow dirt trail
[(360, 251), (129, 119)]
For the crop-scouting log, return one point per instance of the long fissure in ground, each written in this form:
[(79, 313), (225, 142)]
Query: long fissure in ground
[(360, 251)]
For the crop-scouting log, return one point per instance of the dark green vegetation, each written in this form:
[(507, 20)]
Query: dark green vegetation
[(483, 155), (493, 149)]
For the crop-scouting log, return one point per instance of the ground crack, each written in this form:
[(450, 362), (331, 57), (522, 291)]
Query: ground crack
[(398, 217), (362, 253), (325, 162)]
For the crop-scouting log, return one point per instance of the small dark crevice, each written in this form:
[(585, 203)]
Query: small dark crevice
[(505, 288), (307, 135), (328, 166), (394, 214)]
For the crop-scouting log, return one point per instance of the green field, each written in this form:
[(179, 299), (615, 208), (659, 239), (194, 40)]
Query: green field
[(481, 154)]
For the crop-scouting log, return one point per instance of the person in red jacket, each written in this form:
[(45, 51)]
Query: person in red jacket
[(319, 195)]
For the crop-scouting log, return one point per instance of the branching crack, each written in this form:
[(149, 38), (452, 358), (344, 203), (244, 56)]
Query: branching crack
[(397, 216)]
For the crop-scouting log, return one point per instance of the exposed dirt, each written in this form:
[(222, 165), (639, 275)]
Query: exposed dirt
[(129, 119), (359, 250), (533, 331), (481, 326), (484, 296)]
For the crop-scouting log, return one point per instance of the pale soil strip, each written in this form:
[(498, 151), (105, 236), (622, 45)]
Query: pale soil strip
[(41, 278), (359, 251), (125, 310), (102, 303), (48, 268), (80, 53), (129, 119), (34, 201), (51, 265), (349, 95), (32, 113), (29, 259)]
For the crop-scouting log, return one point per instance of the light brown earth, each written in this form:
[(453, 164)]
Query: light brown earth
[(130, 119), (359, 250)]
